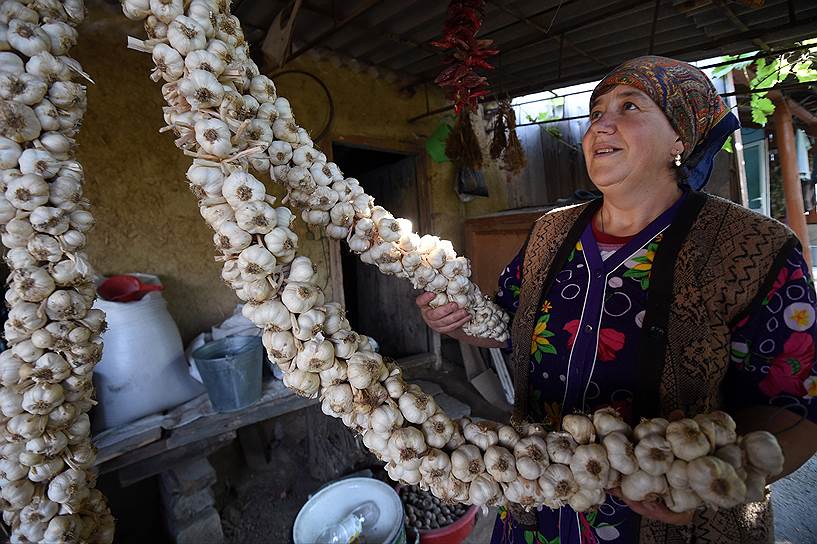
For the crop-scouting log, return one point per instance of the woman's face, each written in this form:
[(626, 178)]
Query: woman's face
[(629, 141)]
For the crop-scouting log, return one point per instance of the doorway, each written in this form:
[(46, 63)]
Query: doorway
[(377, 305)]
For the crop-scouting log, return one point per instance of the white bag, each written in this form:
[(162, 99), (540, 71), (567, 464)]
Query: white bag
[(143, 369)]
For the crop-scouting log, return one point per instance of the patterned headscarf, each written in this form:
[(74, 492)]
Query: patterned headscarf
[(690, 102)]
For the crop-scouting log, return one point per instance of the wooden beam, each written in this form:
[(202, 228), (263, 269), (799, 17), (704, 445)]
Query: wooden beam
[(337, 27), (560, 38), (787, 153)]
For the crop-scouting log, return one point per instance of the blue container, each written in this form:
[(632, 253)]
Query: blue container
[(231, 371)]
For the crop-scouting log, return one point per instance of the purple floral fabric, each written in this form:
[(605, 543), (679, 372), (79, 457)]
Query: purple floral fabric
[(584, 353)]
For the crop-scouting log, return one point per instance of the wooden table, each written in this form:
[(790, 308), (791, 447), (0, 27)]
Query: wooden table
[(152, 444)]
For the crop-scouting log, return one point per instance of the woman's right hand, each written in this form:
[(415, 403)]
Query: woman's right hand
[(444, 319)]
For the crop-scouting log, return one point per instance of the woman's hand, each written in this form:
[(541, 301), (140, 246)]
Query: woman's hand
[(657, 511), (445, 319)]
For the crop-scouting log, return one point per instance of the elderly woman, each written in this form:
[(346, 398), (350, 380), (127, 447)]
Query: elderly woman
[(657, 300)]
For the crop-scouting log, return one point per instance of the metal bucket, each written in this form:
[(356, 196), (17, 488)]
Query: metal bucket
[(231, 371), (334, 502)]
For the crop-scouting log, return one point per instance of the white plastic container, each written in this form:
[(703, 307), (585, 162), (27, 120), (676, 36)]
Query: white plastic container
[(143, 369), (334, 502)]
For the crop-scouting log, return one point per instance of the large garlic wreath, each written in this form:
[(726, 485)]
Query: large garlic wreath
[(230, 119), (46, 454)]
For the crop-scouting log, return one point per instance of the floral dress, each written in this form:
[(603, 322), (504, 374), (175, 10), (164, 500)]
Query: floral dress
[(584, 352)]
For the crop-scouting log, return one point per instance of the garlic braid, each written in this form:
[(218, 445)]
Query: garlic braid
[(229, 118), (46, 455)]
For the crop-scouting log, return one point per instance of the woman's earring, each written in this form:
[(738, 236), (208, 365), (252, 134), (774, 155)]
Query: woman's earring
[(678, 159)]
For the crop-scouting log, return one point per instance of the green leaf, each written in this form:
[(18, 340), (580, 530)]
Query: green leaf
[(529, 536), (645, 283), (549, 349), (727, 145), (538, 356), (804, 72), (762, 108), (739, 63), (435, 145)]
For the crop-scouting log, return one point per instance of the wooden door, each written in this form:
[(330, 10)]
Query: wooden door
[(385, 304)]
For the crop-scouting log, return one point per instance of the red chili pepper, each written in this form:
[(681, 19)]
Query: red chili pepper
[(465, 53)]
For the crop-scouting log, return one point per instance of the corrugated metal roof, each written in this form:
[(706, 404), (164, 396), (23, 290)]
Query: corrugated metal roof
[(544, 44)]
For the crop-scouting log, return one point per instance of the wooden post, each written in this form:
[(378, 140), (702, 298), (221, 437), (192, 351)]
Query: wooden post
[(787, 153)]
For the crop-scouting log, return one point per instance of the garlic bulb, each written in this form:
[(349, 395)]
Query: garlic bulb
[(654, 455), (590, 465), (379, 444), (531, 457), (682, 500), (763, 453), (719, 428), (438, 430), (299, 297), (507, 436), (560, 447), (42, 398), (524, 492), (501, 464), (716, 482), (337, 399), (586, 498), (416, 407), (467, 463), (305, 384), (647, 427), (557, 485), (386, 418), (363, 369), (435, 465), (677, 475), (406, 447), (607, 421), (580, 428), (484, 490), (641, 486), (315, 356), (686, 440), (482, 434), (620, 452)]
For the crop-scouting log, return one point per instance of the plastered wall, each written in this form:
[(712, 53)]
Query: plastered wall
[(147, 221)]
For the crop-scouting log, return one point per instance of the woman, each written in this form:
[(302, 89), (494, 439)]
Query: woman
[(657, 300)]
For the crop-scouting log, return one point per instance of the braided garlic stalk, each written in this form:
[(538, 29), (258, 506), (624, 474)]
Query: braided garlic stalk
[(229, 118), (46, 455)]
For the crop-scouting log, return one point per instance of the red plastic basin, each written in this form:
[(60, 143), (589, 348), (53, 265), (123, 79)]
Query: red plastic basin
[(454, 533)]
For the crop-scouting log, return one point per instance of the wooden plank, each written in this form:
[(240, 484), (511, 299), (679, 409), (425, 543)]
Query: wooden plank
[(159, 463), (219, 423), (418, 360), (124, 438)]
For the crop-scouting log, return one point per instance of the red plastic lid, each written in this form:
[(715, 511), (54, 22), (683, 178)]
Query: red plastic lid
[(125, 288)]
